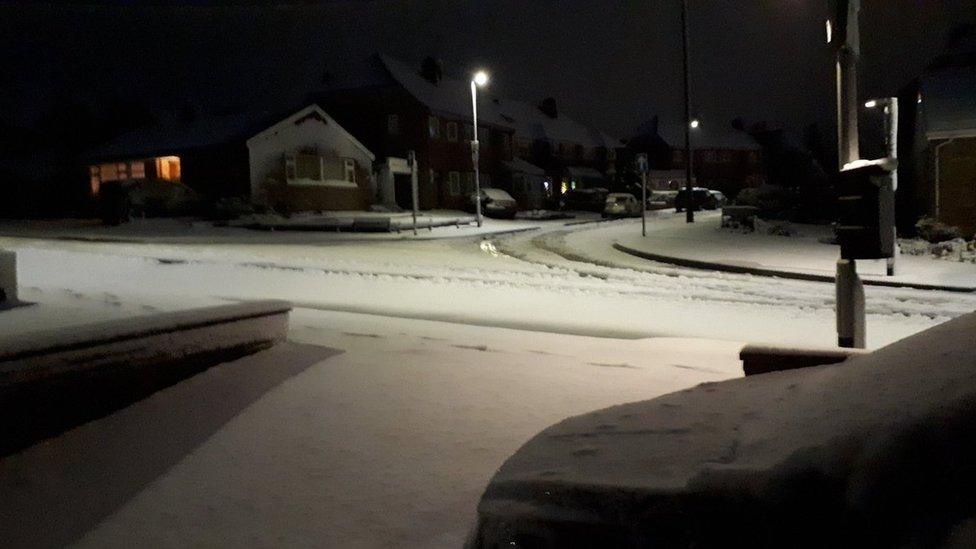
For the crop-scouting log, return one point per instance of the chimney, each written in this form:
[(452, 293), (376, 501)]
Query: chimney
[(548, 107), (431, 70)]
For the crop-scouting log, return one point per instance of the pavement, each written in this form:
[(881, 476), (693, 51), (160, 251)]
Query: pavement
[(433, 225), (804, 255)]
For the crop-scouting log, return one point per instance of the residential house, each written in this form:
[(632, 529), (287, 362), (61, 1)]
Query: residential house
[(937, 143), (723, 158), (303, 161), (573, 155), (396, 109)]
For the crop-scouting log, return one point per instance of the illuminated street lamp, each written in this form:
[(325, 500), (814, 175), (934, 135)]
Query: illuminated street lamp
[(480, 78), (694, 124)]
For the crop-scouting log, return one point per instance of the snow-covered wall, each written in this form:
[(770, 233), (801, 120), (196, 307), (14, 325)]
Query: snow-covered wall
[(308, 129)]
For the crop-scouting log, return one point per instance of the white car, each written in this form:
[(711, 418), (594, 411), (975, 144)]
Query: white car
[(621, 205)]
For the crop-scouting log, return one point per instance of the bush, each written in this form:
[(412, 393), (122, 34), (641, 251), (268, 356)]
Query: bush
[(155, 198), (934, 231), (234, 207)]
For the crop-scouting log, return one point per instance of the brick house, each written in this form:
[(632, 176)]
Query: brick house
[(394, 109)]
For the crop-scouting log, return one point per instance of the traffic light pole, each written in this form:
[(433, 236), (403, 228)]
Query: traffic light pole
[(849, 290)]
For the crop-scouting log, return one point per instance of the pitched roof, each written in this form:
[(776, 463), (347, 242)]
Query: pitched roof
[(531, 122), (173, 136), (516, 164), (949, 102), (448, 96)]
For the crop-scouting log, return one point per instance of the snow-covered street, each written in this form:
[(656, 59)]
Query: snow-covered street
[(560, 278)]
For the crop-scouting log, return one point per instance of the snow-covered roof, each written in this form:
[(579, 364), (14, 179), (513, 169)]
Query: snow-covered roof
[(448, 96), (172, 136), (313, 110), (583, 171), (949, 102), (708, 135), (516, 164), (532, 123)]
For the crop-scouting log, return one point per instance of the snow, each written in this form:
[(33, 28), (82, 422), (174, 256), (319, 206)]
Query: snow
[(871, 439), (802, 253), (388, 444), (457, 350)]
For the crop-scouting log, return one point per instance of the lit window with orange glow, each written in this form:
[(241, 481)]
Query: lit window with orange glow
[(168, 168)]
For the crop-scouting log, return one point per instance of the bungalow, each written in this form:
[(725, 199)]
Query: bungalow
[(304, 161)]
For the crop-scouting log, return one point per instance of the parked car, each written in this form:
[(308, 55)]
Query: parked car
[(494, 203), (703, 200), (621, 205), (590, 200), (720, 199)]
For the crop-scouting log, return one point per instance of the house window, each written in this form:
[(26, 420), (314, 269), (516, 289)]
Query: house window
[(392, 124), (168, 168), (434, 126), (452, 131), (468, 132), (454, 183), (137, 169), (349, 169)]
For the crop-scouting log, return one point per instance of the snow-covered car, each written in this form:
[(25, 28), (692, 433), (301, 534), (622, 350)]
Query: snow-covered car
[(720, 199), (621, 205), (494, 203), (700, 198)]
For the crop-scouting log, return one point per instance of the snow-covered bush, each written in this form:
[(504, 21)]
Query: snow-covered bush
[(931, 230)]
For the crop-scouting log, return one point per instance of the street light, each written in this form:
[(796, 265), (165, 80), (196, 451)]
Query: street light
[(694, 124), (480, 79)]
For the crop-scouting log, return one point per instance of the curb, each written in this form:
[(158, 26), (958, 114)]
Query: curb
[(774, 273)]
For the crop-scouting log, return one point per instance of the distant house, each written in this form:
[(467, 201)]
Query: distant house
[(723, 158), (394, 109), (303, 161), (572, 154), (531, 186), (937, 144)]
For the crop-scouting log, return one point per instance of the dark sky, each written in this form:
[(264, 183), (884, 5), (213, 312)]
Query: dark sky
[(608, 63)]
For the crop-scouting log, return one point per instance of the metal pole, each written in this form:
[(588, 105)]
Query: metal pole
[(891, 124), (848, 289), (412, 156), (642, 166), (690, 210), (474, 152)]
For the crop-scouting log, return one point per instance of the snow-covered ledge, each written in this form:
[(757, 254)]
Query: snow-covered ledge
[(51, 381), (876, 451)]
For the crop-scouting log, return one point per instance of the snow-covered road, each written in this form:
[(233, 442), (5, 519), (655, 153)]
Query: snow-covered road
[(561, 278)]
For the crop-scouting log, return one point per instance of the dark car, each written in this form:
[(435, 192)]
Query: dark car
[(703, 200), (495, 203), (588, 200)]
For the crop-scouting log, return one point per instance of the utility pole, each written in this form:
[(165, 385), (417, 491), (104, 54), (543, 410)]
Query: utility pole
[(690, 210), (642, 167), (842, 31), (891, 124), (414, 194)]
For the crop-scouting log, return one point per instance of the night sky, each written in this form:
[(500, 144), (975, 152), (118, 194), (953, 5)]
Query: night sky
[(610, 64)]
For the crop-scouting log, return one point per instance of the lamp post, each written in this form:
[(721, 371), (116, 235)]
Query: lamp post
[(480, 79), (690, 211)]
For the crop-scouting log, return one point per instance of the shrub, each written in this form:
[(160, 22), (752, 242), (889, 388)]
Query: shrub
[(934, 231)]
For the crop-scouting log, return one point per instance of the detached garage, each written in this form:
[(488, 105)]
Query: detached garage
[(304, 161)]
